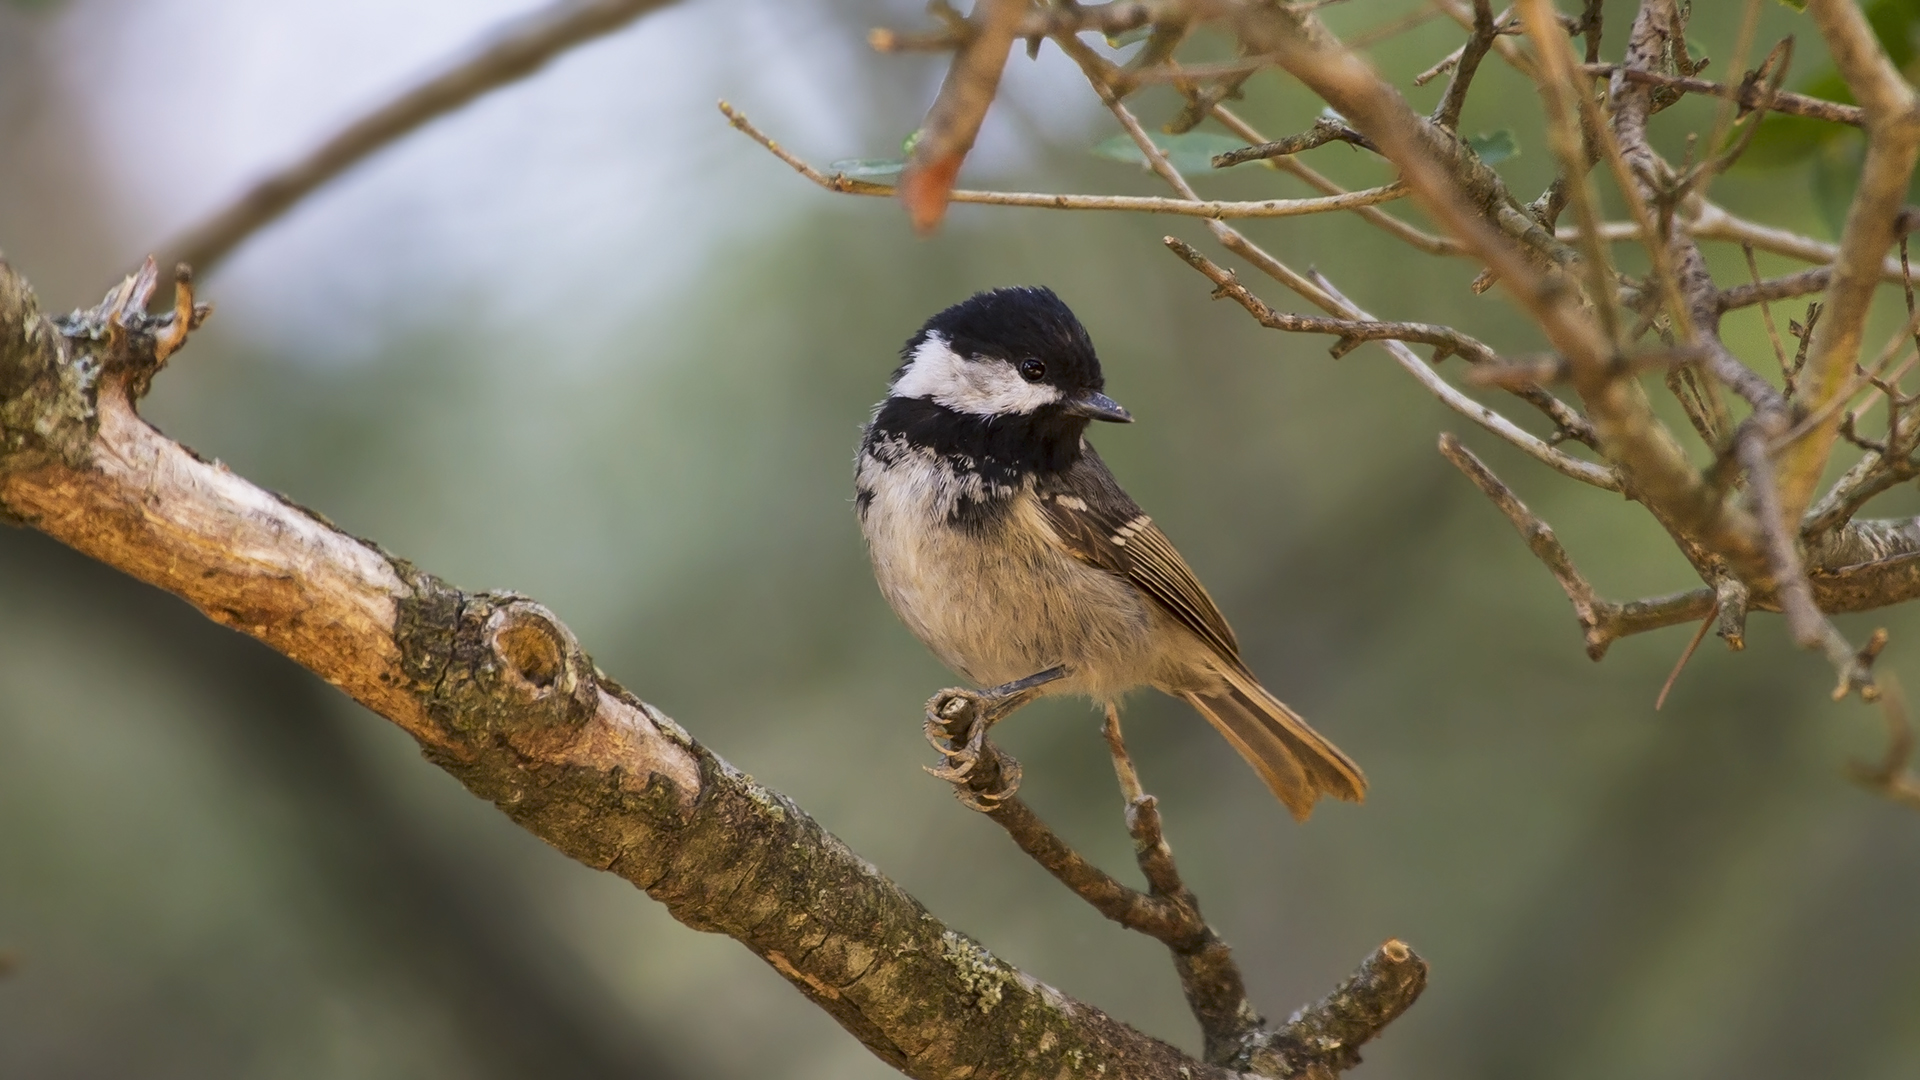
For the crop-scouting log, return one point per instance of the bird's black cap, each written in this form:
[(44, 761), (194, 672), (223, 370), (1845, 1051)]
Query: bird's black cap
[(1016, 323)]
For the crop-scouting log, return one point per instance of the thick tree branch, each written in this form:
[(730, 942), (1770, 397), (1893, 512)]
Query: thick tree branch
[(497, 692), (510, 53)]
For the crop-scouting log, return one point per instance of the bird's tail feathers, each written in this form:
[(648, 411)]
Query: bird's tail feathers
[(1297, 762)]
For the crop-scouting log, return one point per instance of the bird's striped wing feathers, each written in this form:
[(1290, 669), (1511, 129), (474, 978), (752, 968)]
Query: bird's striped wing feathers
[(1102, 526)]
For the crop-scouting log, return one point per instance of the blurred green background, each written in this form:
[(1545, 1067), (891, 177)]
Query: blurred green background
[(584, 341)]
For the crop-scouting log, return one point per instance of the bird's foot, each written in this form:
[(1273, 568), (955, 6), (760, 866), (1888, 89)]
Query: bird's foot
[(983, 775)]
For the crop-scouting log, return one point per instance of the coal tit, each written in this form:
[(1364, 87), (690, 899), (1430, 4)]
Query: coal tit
[(1005, 544)]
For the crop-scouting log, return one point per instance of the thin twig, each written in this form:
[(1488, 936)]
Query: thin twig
[(1199, 73), (1546, 370), (1602, 622), (1447, 113), (1215, 990), (1373, 215), (1324, 130), (1860, 379), (1804, 619), (1766, 311), (1201, 208), (1771, 73), (1234, 1033), (1162, 918), (1762, 291), (509, 53), (1747, 95), (1393, 28), (1708, 221), (1804, 335), (1228, 286), (1461, 11), (1350, 332), (1893, 775), (1570, 146), (1686, 654), (1109, 19), (1712, 222)]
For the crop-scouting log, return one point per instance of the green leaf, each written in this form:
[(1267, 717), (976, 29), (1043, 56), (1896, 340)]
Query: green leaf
[(872, 170), (1188, 152), (1127, 37), (1495, 147)]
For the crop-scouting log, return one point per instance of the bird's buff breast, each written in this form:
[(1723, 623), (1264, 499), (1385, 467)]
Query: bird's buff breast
[(998, 602)]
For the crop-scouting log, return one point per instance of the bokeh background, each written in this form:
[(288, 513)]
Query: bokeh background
[(584, 341)]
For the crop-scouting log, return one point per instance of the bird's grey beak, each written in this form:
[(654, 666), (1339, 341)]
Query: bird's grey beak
[(1097, 406)]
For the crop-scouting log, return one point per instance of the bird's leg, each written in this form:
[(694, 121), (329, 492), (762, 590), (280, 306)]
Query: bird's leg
[(957, 721)]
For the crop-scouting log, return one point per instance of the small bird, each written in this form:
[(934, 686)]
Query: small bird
[(1004, 543)]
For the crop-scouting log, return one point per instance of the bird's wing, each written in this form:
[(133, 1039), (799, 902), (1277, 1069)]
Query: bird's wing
[(1102, 526)]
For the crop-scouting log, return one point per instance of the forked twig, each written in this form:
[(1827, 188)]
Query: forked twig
[(1325, 1036), (1602, 622)]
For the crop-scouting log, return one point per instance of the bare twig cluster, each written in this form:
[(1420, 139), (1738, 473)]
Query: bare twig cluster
[(1751, 524)]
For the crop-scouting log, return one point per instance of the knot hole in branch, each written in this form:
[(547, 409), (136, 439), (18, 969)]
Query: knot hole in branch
[(538, 662)]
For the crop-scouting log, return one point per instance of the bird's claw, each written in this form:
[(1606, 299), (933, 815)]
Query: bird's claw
[(956, 725)]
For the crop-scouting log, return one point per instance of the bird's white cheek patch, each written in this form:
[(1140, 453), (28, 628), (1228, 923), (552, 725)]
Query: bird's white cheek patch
[(981, 387)]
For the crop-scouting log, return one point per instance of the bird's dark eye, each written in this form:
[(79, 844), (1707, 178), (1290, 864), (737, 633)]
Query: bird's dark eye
[(1032, 370)]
